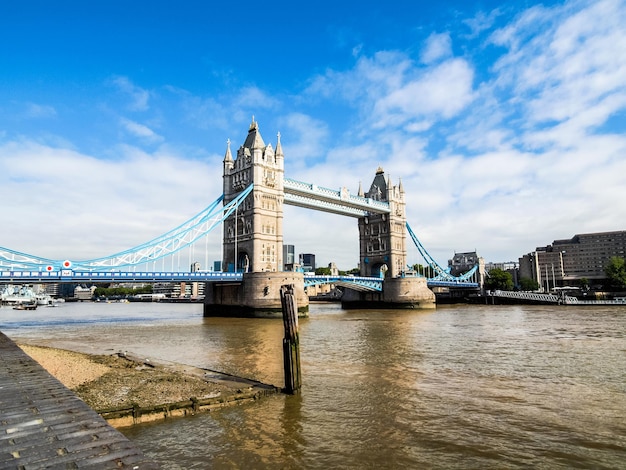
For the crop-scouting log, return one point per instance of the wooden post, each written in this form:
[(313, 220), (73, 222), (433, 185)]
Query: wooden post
[(291, 341)]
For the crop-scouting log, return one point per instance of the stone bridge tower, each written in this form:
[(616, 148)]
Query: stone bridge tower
[(382, 237), (253, 234)]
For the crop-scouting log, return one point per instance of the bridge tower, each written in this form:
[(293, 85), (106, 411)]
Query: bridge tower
[(253, 235), (382, 237)]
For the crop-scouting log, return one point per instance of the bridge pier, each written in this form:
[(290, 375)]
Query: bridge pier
[(258, 295), (397, 293)]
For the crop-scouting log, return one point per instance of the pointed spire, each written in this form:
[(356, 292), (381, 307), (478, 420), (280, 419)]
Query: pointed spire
[(279, 148), (401, 186), (228, 157), (254, 139), (360, 193)]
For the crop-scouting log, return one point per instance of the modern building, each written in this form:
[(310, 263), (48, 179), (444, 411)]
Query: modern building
[(568, 262), (307, 262), (289, 257)]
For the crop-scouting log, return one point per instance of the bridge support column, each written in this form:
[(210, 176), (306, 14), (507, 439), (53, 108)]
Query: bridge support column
[(398, 293), (258, 295)]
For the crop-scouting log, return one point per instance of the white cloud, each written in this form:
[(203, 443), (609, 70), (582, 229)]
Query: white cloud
[(138, 96), (481, 22), (438, 46), (443, 91), (81, 207), (38, 111), (253, 97), (140, 130)]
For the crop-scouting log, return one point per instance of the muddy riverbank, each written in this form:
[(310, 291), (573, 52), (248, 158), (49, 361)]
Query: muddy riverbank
[(126, 389)]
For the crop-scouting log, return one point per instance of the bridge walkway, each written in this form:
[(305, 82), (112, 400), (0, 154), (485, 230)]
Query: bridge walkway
[(44, 425)]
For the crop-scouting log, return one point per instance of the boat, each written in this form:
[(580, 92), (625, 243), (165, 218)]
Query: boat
[(25, 306), (17, 294), (44, 299)]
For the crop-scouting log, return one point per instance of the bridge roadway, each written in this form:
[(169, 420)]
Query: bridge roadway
[(80, 277), (44, 425)]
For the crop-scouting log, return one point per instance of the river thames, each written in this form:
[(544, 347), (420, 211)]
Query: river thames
[(458, 387)]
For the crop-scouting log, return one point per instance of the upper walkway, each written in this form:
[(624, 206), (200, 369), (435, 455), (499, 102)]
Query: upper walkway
[(339, 202), (44, 425)]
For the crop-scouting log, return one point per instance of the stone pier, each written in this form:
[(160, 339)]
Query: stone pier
[(398, 293), (257, 296)]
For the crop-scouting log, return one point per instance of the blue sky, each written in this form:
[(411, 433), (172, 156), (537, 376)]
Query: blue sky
[(505, 120)]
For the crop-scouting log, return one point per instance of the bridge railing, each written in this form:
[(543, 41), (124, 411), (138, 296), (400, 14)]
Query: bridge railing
[(115, 276), (358, 282)]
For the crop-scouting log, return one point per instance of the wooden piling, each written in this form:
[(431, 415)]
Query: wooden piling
[(291, 341)]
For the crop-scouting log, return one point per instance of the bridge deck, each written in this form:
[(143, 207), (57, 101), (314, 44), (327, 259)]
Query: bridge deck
[(44, 425)]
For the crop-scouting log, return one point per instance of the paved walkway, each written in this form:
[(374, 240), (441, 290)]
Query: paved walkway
[(44, 425)]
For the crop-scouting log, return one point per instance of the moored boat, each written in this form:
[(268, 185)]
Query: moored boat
[(17, 294)]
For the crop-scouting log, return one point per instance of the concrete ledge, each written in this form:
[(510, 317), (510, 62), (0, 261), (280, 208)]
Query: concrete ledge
[(123, 417)]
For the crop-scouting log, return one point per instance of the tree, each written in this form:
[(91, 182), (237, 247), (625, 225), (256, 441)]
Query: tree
[(528, 284), (426, 271), (497, 279), (616, 272), (322, 271)]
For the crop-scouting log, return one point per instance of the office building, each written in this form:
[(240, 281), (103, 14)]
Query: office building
[(289, 257), (568, 262), (307, 262)]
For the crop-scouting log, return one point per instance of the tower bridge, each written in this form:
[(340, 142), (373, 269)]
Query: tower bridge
[(250, 212)]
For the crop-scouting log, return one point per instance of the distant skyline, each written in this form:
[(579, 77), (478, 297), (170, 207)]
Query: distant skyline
[(506, 121)]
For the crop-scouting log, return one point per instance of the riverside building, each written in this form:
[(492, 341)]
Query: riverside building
[(571, 262)]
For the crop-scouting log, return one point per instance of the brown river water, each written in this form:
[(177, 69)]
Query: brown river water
[(458, 387)]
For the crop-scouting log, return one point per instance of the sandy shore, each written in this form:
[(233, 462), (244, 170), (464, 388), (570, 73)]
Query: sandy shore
[(143, 390), (70, 368)]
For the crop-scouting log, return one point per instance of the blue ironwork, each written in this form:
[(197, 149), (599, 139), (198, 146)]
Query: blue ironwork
[(354, 282), (443, 278), (70, 275)]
